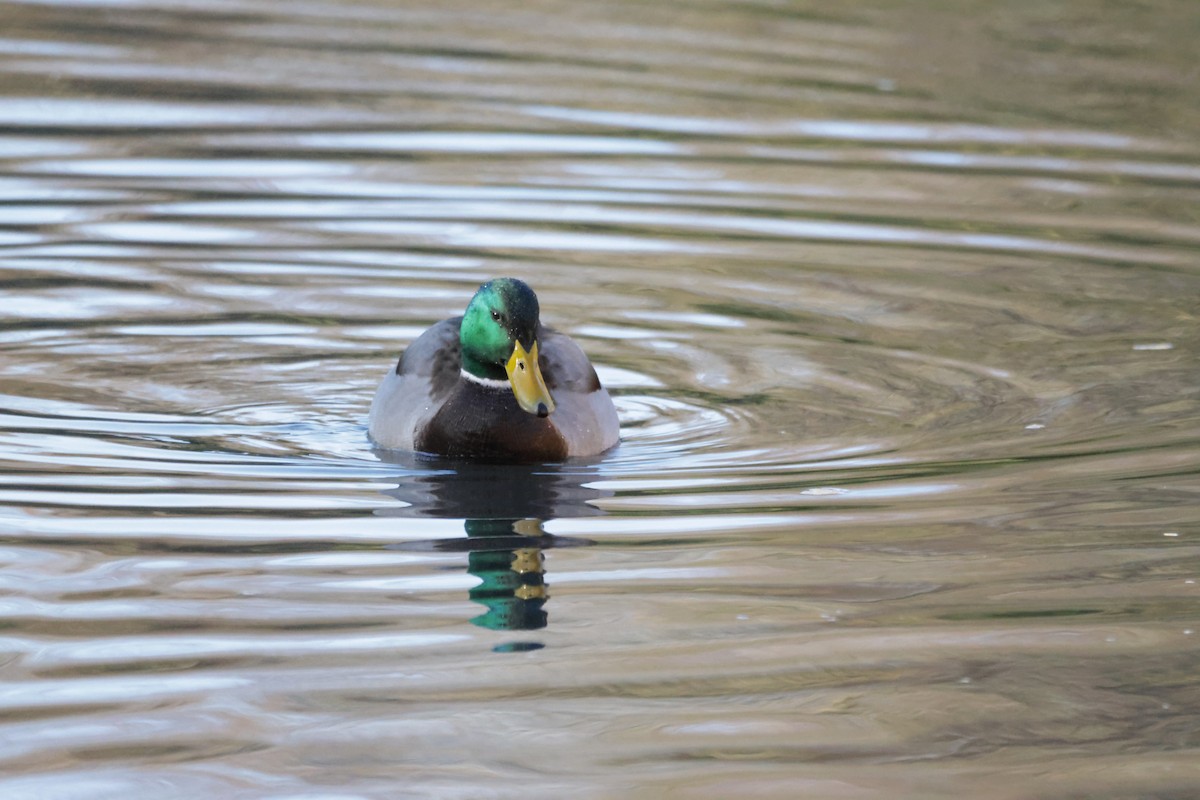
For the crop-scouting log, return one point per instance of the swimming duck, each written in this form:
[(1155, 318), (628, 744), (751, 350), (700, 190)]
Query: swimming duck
[(494, 384)]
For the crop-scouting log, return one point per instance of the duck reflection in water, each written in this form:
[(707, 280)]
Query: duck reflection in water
[(504, 507)]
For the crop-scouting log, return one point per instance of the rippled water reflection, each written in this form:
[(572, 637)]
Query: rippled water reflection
[(898, 307)]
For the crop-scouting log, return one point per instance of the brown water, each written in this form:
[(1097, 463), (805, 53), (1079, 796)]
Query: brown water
[(898, 304)]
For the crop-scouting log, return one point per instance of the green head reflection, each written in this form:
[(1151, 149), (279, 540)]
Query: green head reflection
[(502, 507), (512, 580)]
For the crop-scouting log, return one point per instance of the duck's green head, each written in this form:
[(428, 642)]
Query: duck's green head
[(499, 340)]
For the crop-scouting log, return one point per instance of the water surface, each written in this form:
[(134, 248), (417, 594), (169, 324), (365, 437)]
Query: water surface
[(898, 306)]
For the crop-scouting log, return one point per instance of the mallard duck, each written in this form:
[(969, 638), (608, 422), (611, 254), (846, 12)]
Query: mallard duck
[(494, 384)]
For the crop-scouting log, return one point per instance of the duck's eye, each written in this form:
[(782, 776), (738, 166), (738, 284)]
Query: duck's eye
[(495, 315)]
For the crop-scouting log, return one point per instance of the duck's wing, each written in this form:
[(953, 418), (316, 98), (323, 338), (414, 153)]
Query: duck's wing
[(564, 365), (435, 355), (415, 389), (584, 413)]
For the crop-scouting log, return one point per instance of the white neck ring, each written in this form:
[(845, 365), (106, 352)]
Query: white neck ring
[(490, 383)]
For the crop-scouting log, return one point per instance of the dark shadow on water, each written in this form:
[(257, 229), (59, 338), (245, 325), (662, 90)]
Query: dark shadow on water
[(503, 508)]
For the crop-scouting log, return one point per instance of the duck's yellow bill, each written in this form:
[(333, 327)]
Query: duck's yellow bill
[(527, 383)]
